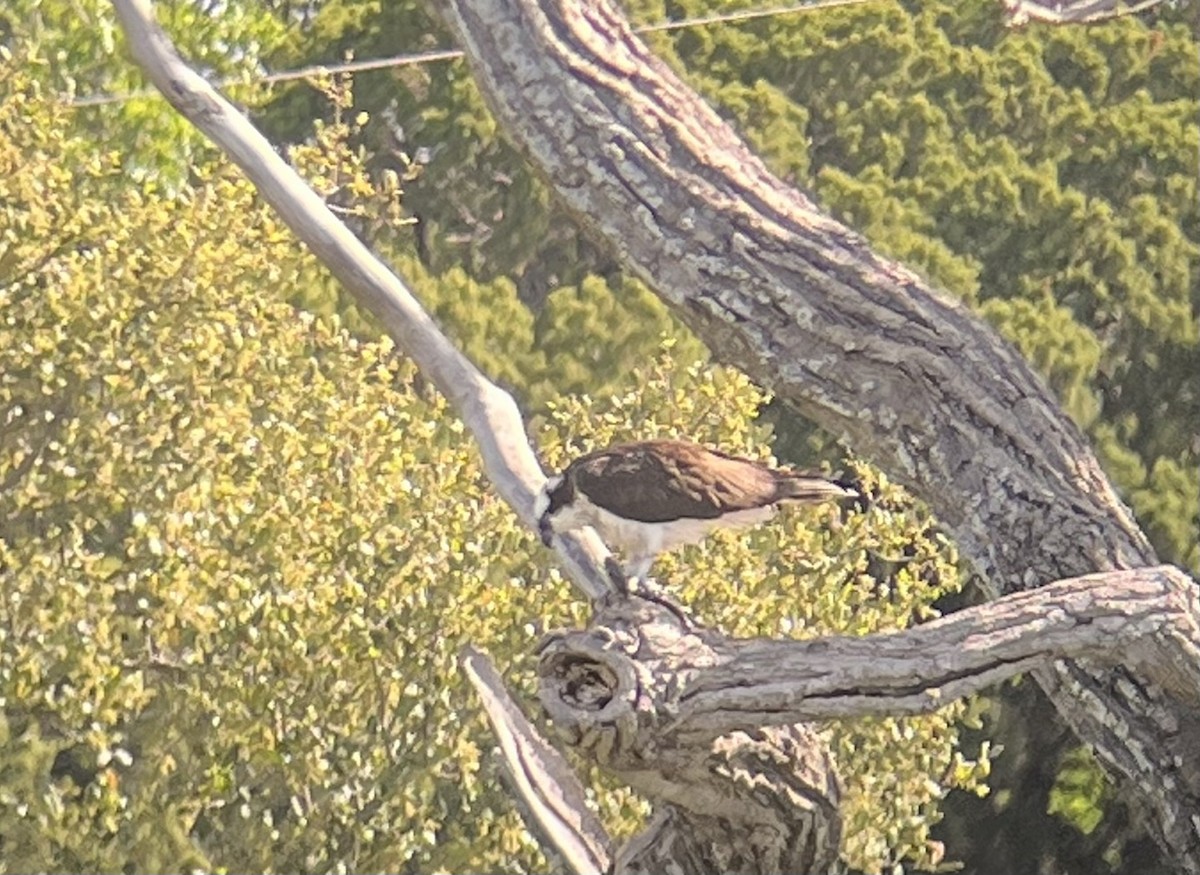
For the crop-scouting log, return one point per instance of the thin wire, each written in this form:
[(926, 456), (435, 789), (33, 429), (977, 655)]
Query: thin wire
[(744, 15), (454, 54), (285, 75)]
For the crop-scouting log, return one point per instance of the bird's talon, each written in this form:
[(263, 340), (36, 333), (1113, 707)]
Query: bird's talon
[(616, 574)]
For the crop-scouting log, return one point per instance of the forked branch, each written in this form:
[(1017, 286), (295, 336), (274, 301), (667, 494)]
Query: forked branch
[(634, 680), (714, 728)]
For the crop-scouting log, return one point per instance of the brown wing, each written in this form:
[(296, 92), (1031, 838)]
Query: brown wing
[(792, 485), (660, 481)]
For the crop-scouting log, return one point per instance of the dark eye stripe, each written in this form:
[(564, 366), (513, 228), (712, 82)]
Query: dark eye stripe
[(562, 496)]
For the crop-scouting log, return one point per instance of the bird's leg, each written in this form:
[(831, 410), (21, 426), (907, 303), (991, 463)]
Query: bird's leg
[(617, 575), (652, 592), (638, 583), (639, 566)]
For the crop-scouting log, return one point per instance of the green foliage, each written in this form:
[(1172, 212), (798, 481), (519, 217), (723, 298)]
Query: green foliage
[(363, 200), (583, 340), (76, 49), (1080, 791), (486, 320), (590, 335), (480, 207), (584, 337), (239, 552), (1047, 175), (1065, 352), (1168, 501)]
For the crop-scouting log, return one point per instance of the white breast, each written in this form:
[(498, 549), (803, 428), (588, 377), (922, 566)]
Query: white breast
[(639, 539)]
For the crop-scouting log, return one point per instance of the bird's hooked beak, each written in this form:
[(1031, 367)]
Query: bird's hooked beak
[(545, 531)]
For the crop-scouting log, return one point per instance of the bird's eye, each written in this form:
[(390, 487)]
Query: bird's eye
[(560, 496)]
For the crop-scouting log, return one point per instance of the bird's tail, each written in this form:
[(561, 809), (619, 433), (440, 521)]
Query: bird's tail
[(809, 489)]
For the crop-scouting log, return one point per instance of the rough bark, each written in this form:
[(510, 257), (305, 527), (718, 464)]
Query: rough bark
[(1146, 619), (760, 798), (862, 346), (1021, 12)]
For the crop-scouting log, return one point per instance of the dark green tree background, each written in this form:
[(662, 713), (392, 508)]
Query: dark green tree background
[(1045, 175)]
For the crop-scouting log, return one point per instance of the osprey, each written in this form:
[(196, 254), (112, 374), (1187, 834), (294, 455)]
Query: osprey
[(649, 497)]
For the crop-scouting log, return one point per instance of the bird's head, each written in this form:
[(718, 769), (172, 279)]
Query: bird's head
[(557, 493)]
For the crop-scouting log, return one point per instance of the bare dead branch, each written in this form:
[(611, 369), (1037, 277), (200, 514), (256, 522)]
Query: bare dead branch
[(1144, 618), (1021, 12), (764, 800), (714, 727), (552, 795), (611, 687), (488, 411)]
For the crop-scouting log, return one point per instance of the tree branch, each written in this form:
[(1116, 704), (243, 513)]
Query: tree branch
[(858, 344), (1021, 12), (758, 799), (1144, 618), (488, 411), (713, 729), (552, 795), (619, 686)]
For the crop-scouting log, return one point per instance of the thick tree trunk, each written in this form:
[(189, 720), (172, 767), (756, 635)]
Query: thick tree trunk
[(858, 344)]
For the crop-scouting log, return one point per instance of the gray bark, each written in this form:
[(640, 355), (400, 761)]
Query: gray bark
[(860, 345), (1021, 12)]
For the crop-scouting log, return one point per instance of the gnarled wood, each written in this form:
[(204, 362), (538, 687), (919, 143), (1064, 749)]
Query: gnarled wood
[(855, 342), (759, 799), (622, 687), (1021, 12)]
